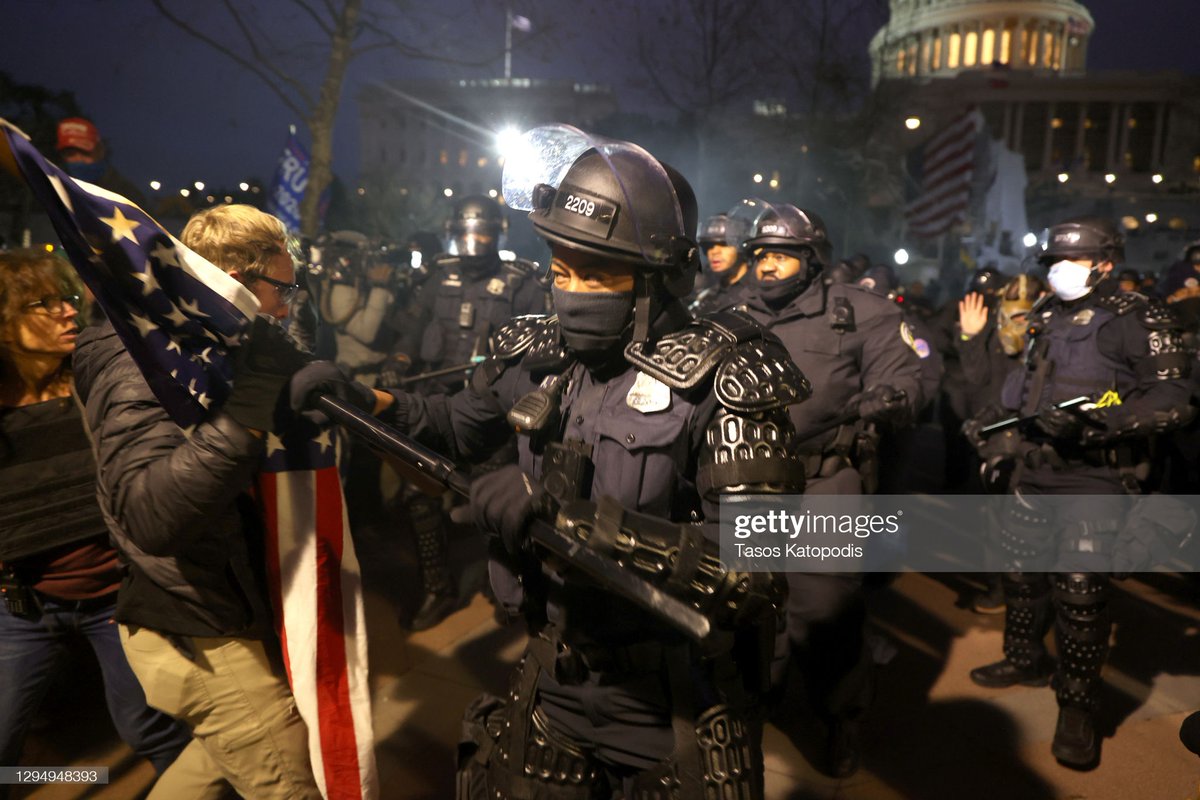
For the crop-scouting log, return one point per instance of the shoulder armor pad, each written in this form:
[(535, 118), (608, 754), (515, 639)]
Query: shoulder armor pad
[(758, 376), (686, 357), (518, 335), (1157, 315), (1122, 303), (546, 352)]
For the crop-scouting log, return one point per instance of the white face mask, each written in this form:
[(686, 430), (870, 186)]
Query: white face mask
[(1070, 280)]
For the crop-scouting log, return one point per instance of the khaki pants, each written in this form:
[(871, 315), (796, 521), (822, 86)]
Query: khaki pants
[(244, 721)]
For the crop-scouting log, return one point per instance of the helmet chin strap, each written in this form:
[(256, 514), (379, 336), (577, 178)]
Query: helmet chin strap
[(643, 300)]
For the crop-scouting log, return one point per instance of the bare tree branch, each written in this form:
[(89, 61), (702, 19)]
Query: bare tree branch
[(228, 52)]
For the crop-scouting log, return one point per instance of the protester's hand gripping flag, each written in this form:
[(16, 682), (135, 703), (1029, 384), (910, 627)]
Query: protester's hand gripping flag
[(179, 316)]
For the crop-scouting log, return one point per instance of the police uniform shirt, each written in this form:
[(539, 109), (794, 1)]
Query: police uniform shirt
[(841, 360)]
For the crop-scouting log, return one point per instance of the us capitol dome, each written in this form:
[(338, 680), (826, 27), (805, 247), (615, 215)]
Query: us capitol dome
[(943, 38)]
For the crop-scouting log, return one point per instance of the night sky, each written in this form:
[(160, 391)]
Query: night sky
[(173, 109)]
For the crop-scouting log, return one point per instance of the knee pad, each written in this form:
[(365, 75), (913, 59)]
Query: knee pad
[(724, 760)]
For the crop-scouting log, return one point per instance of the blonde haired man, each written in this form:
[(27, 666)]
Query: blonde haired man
[(193, 609)]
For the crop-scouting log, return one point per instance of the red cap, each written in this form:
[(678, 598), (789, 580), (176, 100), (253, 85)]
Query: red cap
[(77, 133)]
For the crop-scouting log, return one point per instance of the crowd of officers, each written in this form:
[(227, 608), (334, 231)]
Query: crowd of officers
[(614, 397), (1014, 345)]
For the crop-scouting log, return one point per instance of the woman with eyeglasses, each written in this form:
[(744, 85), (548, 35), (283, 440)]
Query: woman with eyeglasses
[(58, 573)]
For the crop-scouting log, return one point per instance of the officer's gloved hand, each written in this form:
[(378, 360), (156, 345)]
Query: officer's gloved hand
[(323, 377), (988, 415), (1058, 423), (394, 368), (503, 503), (262, 365), (1120, 422), (884, 404)]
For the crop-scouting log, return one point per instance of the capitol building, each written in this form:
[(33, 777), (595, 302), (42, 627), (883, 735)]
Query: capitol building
[(1122, 144), (939, 38)]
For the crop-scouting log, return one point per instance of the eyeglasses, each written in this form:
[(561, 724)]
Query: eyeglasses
[(287, 291), (55, 305)]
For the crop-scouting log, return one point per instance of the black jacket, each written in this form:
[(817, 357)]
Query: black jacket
[(175, 504)]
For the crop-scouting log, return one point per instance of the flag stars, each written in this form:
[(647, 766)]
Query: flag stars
[(176, 316), (274, 444), (165, 255), (173, 344), (192, 308), (122, 226), (323, 441), (148, 281), (143, 324)]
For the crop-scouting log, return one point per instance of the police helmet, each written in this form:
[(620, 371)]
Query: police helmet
[(474, 228), (785, 228), (713, 231), (987, 281), (621, 205), (1094, 238)]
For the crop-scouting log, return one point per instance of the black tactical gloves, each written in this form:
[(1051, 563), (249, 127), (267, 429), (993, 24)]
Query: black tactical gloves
[(988, 415), (323, 377), (503, 503), (884, 404), (262, 366)]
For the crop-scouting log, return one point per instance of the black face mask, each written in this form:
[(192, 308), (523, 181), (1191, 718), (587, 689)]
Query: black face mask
[(778, 294), (593, 323)]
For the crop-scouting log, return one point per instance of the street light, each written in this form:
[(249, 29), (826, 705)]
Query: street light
[(155, 185), (184, 192), (1157, 177), (1030, 239), (1063, 177), (1152, 217), (245, 187), (912, 123), (1110, 178), (758, 177), (901, 257), (199, 186), (448, 192)]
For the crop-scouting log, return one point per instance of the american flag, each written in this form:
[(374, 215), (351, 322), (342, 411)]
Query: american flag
[(944, 168), (179, 316)]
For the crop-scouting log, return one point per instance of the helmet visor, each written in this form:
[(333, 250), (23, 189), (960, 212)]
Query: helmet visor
[(624, 202)]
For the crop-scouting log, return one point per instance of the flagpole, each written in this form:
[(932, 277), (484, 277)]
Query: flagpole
[(508, 25)]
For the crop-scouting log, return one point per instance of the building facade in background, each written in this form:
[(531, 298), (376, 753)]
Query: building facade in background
[(1122, 144)]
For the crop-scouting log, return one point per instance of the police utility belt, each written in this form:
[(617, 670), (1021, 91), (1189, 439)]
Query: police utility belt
[(571, 664)]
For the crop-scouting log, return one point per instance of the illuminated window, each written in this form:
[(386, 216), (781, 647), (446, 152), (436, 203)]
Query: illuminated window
[(900, 61), (952, 54), (972, 42), (482, 162), (937, 52), (1047, 48), (1031, 52), (988, 47), (443, 157), (1005, 46), (1056, 123), (925, 43)]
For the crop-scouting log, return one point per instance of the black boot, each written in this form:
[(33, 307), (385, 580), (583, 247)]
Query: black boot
[(1075, 742), (1005, 673), (1082, 629), (1027, 618)]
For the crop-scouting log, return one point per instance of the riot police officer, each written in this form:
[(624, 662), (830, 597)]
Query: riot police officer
[(858, 352), (1124, 352), (618, 412), (721, 240), (470, 292)]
